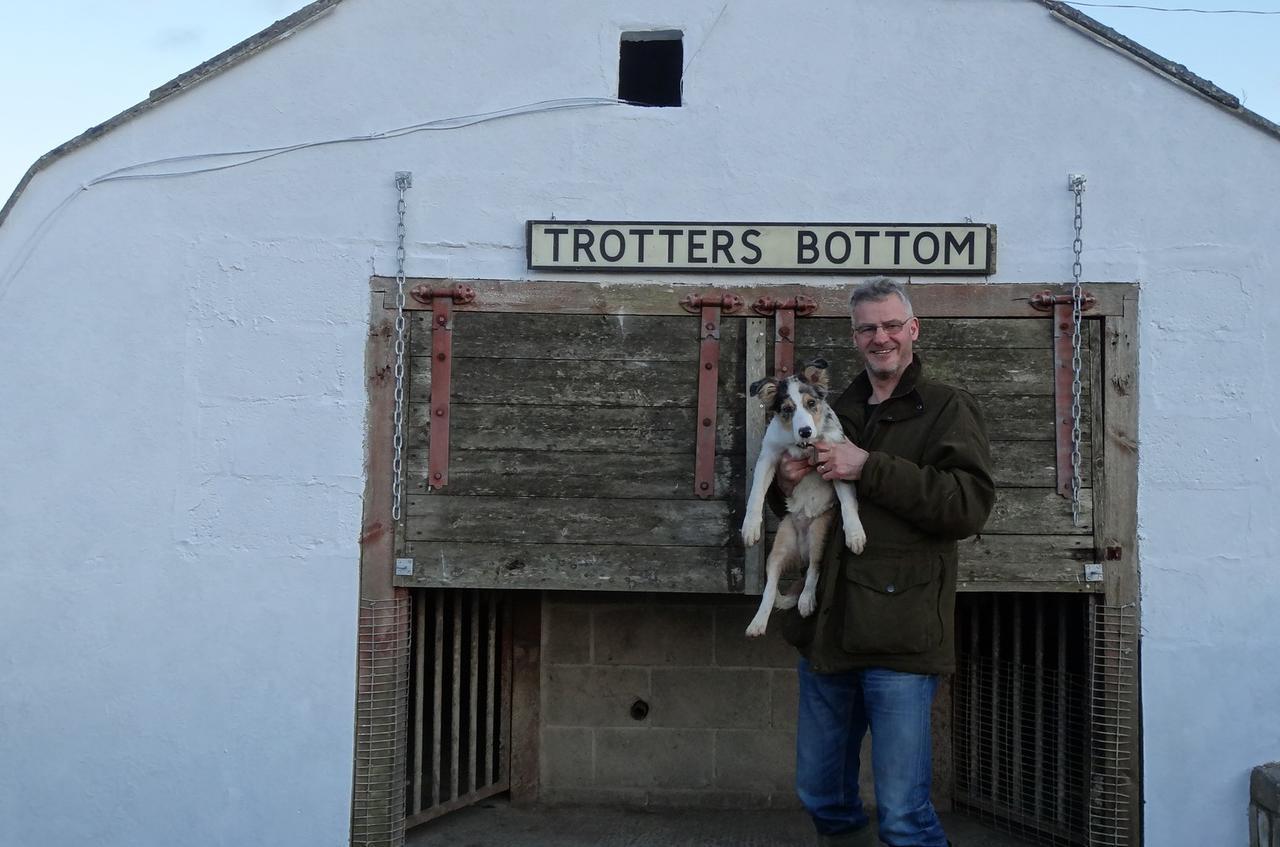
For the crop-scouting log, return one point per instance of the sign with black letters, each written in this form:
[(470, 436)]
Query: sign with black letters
[(776, 248)]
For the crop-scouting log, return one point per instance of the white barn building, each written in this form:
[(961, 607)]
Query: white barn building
[(191, 446)]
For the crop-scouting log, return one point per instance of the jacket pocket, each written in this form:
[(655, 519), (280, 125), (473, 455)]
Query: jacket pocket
[(892, 606)]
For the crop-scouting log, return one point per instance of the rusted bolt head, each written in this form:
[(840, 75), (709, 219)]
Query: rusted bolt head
[(784, 331), (441, 356), (704, 485), (437, 475), (710, 325), (706, 421), (707, 366), (440, 320), (440, 412)]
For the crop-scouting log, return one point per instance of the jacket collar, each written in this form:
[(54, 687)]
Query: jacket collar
[(859, 391)]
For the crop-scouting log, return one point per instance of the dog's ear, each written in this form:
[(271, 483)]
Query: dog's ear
[(815, 372), (766, 389)]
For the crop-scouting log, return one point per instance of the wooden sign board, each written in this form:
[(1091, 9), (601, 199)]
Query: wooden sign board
[(963, 249)]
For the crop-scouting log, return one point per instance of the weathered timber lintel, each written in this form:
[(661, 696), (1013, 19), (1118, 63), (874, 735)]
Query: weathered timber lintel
[(930, 300)]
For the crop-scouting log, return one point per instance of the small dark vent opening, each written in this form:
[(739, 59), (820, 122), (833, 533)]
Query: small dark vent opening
[(649, 68)]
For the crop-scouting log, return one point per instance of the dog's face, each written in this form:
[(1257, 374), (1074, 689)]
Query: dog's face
[(800, 400)]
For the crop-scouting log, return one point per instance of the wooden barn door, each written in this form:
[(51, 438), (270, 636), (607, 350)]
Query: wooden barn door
[(569, 437), (571, 455)]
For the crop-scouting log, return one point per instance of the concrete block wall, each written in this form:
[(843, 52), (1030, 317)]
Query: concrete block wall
[(1264, 806), (719, 729)]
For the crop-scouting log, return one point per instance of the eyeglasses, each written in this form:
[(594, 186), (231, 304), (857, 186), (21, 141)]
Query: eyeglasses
[(889, 327)]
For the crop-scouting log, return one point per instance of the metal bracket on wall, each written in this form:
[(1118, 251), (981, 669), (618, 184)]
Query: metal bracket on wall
[(441, 301), (709, 307), (784, 312), (1060, 305)]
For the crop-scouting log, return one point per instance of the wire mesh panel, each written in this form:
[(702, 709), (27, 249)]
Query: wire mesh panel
[(1113, 676), (1020, 728), (377, 812), (460, 682)]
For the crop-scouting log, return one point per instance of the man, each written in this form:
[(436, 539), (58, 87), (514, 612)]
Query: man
[(883, 630)]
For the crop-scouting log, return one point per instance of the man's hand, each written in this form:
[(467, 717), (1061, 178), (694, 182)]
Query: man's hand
[(839, 460), (790, 472)]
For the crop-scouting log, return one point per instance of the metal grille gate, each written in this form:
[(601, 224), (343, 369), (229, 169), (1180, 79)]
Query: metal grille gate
[(1042, 718), (1113, 678), (460, 700), (381, 695)]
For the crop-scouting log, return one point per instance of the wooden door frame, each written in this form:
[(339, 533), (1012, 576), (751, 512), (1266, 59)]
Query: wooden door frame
[(1116, 481)]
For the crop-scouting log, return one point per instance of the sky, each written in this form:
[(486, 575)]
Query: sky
[(67, 65)]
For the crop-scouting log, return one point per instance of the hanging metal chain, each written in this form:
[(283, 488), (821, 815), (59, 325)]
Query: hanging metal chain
[(1076, 185), (404, 180)]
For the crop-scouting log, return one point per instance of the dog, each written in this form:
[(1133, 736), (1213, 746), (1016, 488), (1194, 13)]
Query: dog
[(798, 415)]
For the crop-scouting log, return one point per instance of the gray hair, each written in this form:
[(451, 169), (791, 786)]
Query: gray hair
[(879, 288)]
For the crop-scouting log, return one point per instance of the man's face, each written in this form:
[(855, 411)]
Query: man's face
[(884, 332)]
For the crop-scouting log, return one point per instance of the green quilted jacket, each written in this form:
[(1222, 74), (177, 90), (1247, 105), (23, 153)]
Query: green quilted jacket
[(926, 485)]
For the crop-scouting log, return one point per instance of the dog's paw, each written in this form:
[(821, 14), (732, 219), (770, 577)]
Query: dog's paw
[(751, 532), (755, 629), (785, 601), (855, 538), (807, 603)]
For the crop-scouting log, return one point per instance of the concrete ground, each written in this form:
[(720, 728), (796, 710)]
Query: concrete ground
[(496, 823)]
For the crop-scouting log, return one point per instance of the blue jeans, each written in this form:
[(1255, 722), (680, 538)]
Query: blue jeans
[(836, 710)]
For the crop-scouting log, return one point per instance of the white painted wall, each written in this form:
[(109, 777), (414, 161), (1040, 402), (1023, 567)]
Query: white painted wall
[(181, 420)]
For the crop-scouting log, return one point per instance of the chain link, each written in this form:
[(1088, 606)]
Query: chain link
[(1077, 306), (403, 182)]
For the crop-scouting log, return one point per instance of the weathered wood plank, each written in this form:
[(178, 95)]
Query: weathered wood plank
[(1014, 424), (940, 333), (1119, 445), (1031, 464), (539, 473), (517, 382), (377, 529), (1034, 562), (575, 429), (1049, 563), (642, 295), (1030, 511), (595, 567), (571, 473), (1024, 418), (997, 372), (524, 645), (695, 523), (485, 335), (757, 336)]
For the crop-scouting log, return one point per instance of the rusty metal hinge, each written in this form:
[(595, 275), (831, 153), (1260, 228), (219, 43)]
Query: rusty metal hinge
[(709, 308), (442, 301), (1047, 301), (784, 312)]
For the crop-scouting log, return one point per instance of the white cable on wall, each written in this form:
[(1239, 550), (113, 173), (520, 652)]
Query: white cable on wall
[(248, 157)]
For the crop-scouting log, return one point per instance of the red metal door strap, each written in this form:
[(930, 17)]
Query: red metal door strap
[(709, 309), (784, 311), (1060, 305), (442, 301)]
